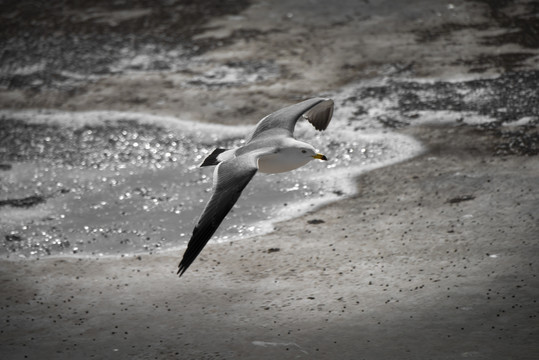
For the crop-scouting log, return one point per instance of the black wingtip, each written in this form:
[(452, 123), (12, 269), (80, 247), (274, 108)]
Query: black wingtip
[(196, 244), (320, 114), (182, 267), (211, 159), (181, 270), (184, 264)]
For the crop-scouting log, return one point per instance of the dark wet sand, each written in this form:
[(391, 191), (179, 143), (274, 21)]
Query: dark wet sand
[(435, 258)]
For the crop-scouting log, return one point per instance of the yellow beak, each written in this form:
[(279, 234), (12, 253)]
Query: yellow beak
[(320, 157)]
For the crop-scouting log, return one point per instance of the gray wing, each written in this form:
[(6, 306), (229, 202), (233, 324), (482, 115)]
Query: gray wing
[(318, 111), (230, 178)]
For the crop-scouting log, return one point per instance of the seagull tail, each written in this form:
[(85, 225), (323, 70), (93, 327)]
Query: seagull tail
[(213, 158)]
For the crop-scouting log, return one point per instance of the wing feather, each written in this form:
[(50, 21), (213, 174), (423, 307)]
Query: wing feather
[(232, 176), (317, 111), (320, 114)]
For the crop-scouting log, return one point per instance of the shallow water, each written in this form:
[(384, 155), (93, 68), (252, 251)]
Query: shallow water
[(119, 183)]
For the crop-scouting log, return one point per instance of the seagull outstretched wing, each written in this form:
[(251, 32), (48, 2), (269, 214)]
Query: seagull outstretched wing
[(318, 111), (230, 178)]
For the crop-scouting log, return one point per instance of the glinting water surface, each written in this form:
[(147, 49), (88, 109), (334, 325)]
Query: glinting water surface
[(107, 183)]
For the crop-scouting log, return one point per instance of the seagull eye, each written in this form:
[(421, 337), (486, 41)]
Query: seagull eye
[(304, 151)]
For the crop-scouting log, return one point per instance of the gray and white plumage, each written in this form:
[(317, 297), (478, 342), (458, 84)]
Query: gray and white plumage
[(271, 148)]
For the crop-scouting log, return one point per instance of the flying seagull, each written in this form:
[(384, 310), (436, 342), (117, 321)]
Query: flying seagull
[(271, 148)]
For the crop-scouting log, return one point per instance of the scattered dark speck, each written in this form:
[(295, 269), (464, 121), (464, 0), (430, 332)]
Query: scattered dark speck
[(13, 237), (24, 202), (460, 198)]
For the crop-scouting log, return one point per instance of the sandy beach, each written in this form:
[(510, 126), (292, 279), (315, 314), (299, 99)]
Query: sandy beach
[(433, 258)]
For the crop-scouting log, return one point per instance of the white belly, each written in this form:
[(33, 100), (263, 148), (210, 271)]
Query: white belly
[(278, 163)]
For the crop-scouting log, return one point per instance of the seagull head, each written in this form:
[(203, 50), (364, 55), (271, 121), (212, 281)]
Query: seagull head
[(309, 151)]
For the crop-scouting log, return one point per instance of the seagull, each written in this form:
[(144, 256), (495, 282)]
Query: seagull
[(271, 148)]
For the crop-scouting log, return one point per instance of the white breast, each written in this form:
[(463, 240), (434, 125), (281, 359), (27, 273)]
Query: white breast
[(281, 162)]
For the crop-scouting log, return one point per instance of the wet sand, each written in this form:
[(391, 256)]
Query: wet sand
[(434, 258)]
